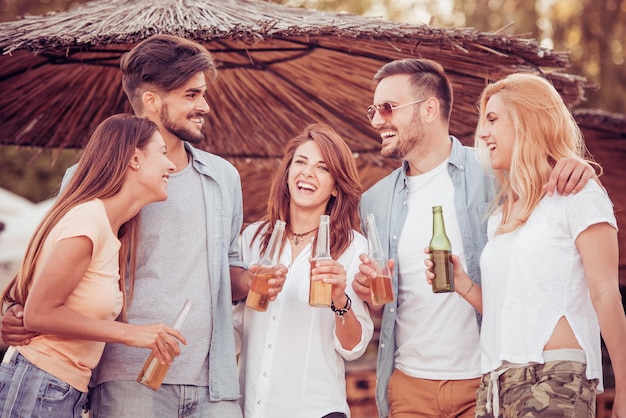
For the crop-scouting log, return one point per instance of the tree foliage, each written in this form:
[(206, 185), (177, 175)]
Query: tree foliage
[(594, 31)]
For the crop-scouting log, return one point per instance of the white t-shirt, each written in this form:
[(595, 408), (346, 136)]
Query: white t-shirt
[(534, 275), (291, 362), (436, 334)]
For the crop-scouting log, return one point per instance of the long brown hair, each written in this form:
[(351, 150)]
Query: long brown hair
[(343, 208), (99, 174)]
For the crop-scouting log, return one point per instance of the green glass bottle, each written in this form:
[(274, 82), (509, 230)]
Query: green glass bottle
[(441, 255)]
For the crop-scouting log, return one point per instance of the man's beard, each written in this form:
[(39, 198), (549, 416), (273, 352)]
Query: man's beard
[(184, 134), (406, 142)]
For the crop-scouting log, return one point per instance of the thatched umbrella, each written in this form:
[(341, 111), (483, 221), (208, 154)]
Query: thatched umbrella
[(281, 68)]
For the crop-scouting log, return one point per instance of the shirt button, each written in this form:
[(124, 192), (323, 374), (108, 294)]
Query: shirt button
[(259, 402), (274, 317), (269, 346), (382, 345), (265, 374), (392, 310), (395, 237)]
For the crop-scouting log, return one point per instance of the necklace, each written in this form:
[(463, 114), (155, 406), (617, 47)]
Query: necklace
[(298, 237)]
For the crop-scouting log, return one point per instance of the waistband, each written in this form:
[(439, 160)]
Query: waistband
[(565, 354), (10, 354), (493, 388)]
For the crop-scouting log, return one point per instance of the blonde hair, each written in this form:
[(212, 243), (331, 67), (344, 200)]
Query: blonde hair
[(545, 132)]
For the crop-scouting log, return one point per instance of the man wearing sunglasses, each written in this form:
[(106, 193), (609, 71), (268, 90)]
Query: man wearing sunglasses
[(429, 353)]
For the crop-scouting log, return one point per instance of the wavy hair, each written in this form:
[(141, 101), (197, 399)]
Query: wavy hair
[(342, 209), (545, 132), (100, 173), (163, 63)]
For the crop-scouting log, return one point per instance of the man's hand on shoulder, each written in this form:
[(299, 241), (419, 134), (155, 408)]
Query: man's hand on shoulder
[(12, 329)]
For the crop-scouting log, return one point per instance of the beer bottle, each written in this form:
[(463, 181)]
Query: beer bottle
[(258, 295), (320, 293), (441, 255), (153, 372), (380, 286)]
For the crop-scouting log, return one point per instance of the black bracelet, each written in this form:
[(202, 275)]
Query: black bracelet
[(341, 312)]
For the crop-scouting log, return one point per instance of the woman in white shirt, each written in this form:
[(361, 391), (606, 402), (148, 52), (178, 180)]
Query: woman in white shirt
[(550, 281), (292, 355)]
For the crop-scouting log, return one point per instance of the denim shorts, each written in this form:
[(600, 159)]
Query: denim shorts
[(28, 391)]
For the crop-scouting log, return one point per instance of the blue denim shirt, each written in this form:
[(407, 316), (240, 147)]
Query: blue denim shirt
[(473, 192), (221, 183)]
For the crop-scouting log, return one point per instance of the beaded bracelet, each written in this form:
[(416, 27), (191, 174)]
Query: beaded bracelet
[(341, 312)]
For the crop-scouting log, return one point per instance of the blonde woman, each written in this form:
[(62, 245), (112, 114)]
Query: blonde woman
[(70, 281), (550, 268)]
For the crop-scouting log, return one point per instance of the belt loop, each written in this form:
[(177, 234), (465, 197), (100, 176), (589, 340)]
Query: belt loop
[(9, 355)]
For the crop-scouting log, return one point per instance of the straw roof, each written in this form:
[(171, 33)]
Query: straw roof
[(280, 69)]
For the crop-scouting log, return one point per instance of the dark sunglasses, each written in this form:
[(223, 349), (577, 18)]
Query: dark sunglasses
[(386, 109)]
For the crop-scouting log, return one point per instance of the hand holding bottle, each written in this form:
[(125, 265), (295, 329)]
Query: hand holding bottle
[(320, 292), (276, 283), (463, 284), (441, 255), (362, 280), (259, 296), (153, 371), (330, 272), (380, 286), (160, 338)]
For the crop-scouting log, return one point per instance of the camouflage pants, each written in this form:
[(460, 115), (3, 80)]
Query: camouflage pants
[(555, 389)]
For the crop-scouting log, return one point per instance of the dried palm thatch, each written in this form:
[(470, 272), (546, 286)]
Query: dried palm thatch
[(280, 69)]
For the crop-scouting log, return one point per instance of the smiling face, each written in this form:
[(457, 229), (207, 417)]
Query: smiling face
[(497, 133), (404, 130), (182, 110), (154, 167), (310, 182)]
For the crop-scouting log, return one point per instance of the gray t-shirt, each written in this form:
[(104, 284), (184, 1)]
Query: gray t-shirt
[(172, 265)]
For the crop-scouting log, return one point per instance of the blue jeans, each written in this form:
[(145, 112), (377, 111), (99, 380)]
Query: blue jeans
[(29, 392), (126, 399)]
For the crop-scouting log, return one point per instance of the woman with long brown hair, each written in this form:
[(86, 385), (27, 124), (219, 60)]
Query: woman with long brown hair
[(72, 279), (293, 354)]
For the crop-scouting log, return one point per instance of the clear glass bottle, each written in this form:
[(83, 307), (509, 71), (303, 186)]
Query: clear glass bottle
[(258, 296), (441, 255), (153, 372), (380, 286), (320, 293)]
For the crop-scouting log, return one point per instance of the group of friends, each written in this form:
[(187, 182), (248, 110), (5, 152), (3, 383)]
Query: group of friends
[(146, 220)]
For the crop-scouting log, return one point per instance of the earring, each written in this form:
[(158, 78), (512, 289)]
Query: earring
[(137, 166)]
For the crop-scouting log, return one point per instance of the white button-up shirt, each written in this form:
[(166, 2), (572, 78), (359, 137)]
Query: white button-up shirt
[(291, 361)]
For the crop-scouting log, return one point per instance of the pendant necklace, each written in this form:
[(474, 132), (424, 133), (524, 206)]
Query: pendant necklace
[(299, 237)]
